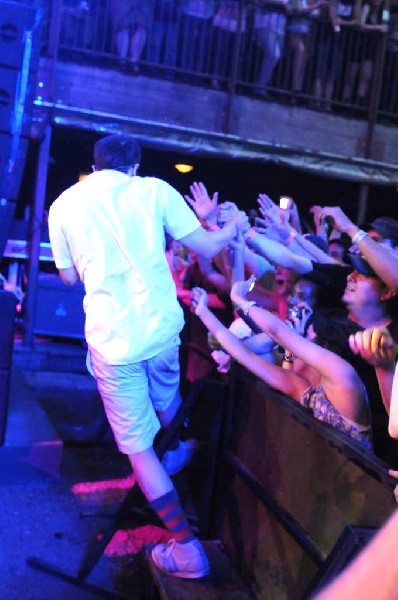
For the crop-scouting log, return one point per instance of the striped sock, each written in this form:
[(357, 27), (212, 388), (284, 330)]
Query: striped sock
[(169, 510)]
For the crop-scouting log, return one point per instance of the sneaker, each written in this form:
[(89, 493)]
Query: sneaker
[(188, 561), (174, 461)]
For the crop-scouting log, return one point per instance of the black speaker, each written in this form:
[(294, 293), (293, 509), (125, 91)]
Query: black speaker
[(7, 210), (8, 304), (7, 328), (17, 21), (11, 171), (9, 86), (20, 30), (59, 308)]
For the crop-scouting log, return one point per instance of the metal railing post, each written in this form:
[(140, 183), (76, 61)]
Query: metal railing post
[(35, 237)]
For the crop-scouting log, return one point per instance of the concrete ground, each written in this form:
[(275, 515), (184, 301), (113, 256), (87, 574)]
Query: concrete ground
[(57, 450)]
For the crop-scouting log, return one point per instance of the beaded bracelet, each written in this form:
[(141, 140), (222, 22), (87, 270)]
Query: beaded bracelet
[(358, 237)]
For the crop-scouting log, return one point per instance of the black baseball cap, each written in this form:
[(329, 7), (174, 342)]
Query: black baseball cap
[(361, 265), (387, 227)]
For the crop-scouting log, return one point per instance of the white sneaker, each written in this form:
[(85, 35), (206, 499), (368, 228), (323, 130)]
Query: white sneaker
[(188, 561), (174, 461)]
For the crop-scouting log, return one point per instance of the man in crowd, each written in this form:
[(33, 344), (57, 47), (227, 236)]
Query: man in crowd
[(109, 232)]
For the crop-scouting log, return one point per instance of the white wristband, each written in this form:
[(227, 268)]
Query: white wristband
[(292, 236), (358, 237), (247, 306)]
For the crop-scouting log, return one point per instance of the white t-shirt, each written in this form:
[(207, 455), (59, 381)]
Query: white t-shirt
[(111, 228)]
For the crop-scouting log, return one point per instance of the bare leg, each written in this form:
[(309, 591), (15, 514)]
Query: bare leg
[(150, 475), (329, 93), (138, 41), (364, 79), (165, 417), (351, 75), (122, 42), (318, 91), (299, 62)]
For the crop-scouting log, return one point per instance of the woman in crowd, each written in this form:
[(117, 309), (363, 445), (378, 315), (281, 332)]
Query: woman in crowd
[(318, 378)]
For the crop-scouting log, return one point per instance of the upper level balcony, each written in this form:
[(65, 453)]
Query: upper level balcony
[(262, 80)]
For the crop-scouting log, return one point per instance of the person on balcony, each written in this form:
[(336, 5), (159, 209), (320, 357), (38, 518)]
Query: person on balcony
[(361, 49), (196, 27), (300, 31), (229, 28), (163, 39), (269, 35), (131, 20)]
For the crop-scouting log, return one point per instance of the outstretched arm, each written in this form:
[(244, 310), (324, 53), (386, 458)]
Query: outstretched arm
[(217, 279), (278, 254), (381, 258), (286, 382), (209, 243), (338, 378)]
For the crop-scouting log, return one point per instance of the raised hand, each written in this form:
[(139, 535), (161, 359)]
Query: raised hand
[(199, 299), (240, 289), (270, 211), (297, 317), (340, 220), (279, 232), (316, 212), (376, 346), (241, 220), (205, 207), (224, 212)]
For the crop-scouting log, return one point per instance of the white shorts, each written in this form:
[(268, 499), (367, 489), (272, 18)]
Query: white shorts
[(133, 393)]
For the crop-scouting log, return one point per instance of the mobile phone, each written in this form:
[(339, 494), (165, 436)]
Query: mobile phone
[(285, 202), (328, 224), (253, 283)]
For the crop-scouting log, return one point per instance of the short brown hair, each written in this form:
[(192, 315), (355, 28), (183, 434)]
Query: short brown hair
[(116, 152)]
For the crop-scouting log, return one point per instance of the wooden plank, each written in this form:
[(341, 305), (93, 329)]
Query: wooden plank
[(223, 583)]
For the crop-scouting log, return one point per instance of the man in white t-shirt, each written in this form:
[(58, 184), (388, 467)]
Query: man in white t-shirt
[(108, 231)]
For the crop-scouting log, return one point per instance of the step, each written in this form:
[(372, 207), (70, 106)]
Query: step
[(223, 583)]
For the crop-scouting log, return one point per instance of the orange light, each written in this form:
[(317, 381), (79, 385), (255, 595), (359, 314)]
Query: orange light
[(83, 176), (184, 168)]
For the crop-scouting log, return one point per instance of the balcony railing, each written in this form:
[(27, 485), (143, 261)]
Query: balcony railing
[(249, 47)]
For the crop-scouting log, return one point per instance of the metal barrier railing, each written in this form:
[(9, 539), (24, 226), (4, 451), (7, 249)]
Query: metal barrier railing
[(281, 469), (249, 47)]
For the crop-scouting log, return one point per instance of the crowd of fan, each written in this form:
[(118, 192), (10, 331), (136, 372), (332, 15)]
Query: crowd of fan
[(314, 315)]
